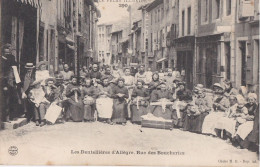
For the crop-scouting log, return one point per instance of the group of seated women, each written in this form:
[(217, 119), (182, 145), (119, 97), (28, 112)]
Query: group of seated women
[(221, 112)]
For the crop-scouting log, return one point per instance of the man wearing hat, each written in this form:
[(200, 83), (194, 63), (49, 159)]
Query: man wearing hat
[(25, 89)]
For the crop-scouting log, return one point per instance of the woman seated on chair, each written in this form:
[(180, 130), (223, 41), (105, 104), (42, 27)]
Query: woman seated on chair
[(164, 98), (75, 110), (140, 97), (119, 94), (89, 95), (104, 102)]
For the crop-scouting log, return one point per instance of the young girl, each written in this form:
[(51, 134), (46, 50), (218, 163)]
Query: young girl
[(37, 96)]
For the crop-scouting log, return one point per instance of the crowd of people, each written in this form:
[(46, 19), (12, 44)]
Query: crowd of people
[(113, 96)]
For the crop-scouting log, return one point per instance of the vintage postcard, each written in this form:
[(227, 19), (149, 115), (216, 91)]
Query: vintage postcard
[(129, 82)]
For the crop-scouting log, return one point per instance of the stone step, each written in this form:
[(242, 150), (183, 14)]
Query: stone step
[(14, 124)]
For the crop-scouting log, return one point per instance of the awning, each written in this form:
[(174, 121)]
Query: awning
[(160, 60), (33, 3)]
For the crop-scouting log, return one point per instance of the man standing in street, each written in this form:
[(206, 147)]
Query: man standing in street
[(25, 89), (10, 80)]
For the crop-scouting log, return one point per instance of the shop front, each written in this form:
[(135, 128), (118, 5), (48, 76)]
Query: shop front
[(19, 28), (209, 60), (185, 58)]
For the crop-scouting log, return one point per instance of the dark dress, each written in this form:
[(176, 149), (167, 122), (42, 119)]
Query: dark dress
[(253, 137), (153, 86), (97, 75), (75, 108), (158, 110), (89, 106), (28, 106), (193, 122), (182, 95), (120, 105), (139, 107)]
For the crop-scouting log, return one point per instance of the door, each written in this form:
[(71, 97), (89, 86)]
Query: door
[(189, 69), (228, 58), (209, 68), (242, 48)]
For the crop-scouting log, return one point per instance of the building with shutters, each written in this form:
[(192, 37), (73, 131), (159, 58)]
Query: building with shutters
[(185, 42), (245, 62), (227, 42), (76, 26), (171, 9), (156, 36), (137, 55), (145, 35), (214, 41), (104, 39)]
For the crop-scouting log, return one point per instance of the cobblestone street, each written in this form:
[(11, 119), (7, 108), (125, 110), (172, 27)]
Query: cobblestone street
[(62, 144)]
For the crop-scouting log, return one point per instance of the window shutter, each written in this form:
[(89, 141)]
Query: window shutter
[(14, 36), (249, 64)]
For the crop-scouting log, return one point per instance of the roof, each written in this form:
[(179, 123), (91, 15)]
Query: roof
[(143, 7), (116, 31), (154, 4), (91, 2)]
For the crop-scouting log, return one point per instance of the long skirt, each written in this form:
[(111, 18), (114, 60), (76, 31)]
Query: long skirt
[(104, 107), (75, 110), (210, 122), (178, 121), (89, 111), (119, 111), (158, 112), (244, 129), (193, 123), (137, 113)]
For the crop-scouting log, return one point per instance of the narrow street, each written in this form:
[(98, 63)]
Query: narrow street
[(62, 144)]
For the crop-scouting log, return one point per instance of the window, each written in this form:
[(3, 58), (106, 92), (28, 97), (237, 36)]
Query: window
[(204, 11), (155, 17), (159, 15), (151, 18), (151, 42), (162, 15), (103, 38), (189, 20), (228, 7), (215, 9), (183, 22)]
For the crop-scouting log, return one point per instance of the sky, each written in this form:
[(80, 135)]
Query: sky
[(115, 10)]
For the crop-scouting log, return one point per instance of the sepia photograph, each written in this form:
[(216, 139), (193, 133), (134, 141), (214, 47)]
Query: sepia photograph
[(129, 82)]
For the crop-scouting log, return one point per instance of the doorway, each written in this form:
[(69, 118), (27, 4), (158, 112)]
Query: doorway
[(242, 47)]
